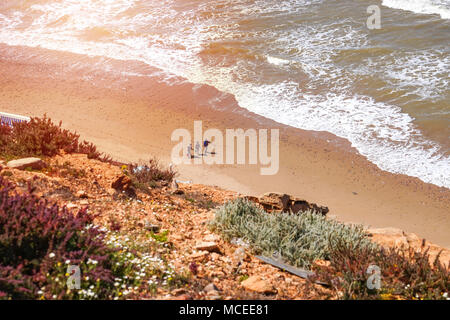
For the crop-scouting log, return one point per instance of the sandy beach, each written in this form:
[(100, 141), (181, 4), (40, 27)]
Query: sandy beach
[(132, 118)]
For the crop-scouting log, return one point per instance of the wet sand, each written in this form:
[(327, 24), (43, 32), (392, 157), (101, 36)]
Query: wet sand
[(133, 117)]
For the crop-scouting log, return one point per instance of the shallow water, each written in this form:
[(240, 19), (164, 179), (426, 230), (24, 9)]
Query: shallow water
[(312, 64)]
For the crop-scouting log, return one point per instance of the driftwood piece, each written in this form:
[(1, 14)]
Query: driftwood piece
[(305, 274)]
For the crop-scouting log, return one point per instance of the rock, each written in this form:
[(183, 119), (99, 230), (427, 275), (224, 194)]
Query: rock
[(385, 231), (394, 237), (281, 202), (257, 284), (323, 263), (124, 184), (388, 237), (200, 255), (214, 295), (211, 237), (82, 194), (178, 292), (208, 246), (174, 188), (182, 297), (275, 201), (71, 206), (211, 287), (21, 164), (151, 227)]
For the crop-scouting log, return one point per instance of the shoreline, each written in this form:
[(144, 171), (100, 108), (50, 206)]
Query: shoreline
[(132, 118)]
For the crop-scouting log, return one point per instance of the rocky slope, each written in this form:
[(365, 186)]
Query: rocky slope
[(179, 214)]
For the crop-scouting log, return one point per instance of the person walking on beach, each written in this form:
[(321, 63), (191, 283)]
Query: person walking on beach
[(197, 148), (205, 146)]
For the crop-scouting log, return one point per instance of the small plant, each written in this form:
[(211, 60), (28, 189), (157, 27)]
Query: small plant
[(162, 237), (150, 173), (193, 268), (243, 277)]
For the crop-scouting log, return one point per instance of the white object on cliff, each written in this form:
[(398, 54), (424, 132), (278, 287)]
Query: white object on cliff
[(9, 118)]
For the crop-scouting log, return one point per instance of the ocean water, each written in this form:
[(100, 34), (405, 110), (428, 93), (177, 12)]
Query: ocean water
[(311, 64)]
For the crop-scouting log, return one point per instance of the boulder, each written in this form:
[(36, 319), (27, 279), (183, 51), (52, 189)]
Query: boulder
[(207, 246), (394, 237), (200, 255), (257, 284), (281, 202), (125, 185), (21, 164), (122, 183)]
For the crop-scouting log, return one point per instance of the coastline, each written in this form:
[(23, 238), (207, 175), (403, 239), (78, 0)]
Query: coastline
[(133, 119)]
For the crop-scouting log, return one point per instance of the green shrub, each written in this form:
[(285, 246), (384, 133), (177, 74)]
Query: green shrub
[(298, 238)]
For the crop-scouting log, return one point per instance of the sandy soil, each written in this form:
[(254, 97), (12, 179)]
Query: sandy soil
[(132, 118)]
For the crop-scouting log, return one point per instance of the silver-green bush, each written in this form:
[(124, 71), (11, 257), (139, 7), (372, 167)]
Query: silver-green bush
[(299, 238)]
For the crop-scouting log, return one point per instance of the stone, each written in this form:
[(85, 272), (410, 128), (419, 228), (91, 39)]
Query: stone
[(281, 202), (122, 183), (151, 227), (71, 206), (199, 255), (214, 295), (323, 263), (175, 189), (388, 237), (385, 231), (82, 194), (178, 292), (208, 246), (178, 192), (211, 287), (182, 297), (21, 164), (125, 185), (257, 284), (211, 237)]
